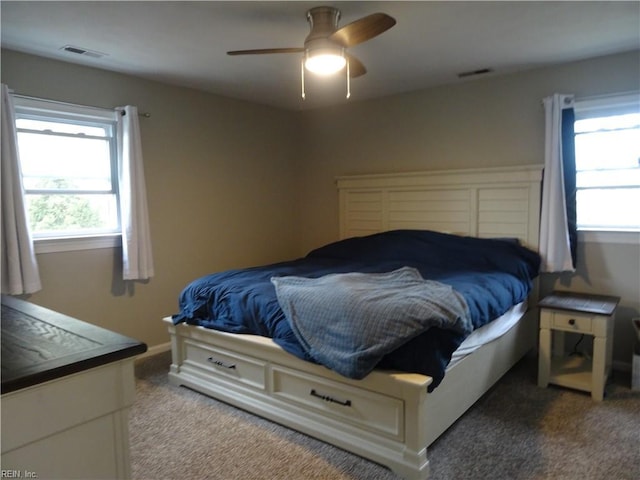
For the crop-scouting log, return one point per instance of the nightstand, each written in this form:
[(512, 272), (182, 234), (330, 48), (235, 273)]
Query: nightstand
[(579, 313)]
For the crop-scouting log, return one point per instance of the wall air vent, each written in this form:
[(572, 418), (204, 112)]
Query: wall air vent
[(82, 51), (475, 73)]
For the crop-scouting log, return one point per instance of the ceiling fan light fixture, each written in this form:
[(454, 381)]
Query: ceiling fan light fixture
[(324, 49), (325, 61)]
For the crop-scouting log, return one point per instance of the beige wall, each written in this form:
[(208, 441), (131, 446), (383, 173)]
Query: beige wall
[(232, 184), (219, 179)]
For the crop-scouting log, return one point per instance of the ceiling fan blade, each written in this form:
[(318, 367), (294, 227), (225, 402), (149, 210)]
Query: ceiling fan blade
[(356, 67), (261, 51), (362, 30)]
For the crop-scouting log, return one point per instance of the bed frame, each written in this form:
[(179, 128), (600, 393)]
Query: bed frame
[(388, 417)]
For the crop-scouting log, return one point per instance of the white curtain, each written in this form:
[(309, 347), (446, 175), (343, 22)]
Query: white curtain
[(137, 260), (19, 267), (555, 246)]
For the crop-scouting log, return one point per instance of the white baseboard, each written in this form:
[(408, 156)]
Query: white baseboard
[(155, 350)]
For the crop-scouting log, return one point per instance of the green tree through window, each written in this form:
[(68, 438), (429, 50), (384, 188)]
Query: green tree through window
[(55, 212)]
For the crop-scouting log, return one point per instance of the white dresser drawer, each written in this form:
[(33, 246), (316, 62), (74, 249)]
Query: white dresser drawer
[(572, 322), (368, 410), (242, 368)]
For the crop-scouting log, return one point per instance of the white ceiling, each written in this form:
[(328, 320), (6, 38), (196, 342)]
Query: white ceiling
[(185, 43)]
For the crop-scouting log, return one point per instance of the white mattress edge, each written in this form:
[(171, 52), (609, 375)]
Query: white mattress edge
[(489, 332)]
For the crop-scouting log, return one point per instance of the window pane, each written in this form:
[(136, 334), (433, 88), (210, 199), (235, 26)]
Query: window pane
[(608, 178), (50, 214), (612, 209), (608, 167), (69, 168), (70, 163), (604, 150), (60, 127), (607, 123)]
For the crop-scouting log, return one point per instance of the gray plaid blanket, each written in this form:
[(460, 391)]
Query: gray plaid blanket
[(349, 321)]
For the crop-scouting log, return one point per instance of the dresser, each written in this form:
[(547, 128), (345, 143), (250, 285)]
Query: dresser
[(586, 315), (67, 387)]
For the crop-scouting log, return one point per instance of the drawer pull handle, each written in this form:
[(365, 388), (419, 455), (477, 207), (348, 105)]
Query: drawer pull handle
[(572, 321), (220, 363), (326, 398)]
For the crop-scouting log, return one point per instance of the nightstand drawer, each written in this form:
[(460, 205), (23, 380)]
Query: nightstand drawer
[(572, 322)]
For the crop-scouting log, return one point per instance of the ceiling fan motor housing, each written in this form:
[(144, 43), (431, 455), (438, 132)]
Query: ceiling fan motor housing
[(323, 21)]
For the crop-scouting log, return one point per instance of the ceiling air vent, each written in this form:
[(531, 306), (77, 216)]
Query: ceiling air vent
[(475, 73), (82, 51)]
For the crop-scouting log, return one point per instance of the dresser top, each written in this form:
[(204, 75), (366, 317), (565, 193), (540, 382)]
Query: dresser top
[(39, 345), (580, 302)]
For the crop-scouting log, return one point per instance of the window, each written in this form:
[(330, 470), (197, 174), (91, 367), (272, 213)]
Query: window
[(607, 134), (68, 159)]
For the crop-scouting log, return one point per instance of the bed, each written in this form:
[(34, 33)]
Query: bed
[(387, 413)]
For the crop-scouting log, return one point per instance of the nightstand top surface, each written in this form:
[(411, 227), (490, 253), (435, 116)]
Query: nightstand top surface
[(580, 302)]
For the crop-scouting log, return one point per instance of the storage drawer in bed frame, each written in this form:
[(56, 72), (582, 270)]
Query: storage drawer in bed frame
[(380, 414), (206, 360)]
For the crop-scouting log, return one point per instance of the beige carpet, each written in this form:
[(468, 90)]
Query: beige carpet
[(516, 431)]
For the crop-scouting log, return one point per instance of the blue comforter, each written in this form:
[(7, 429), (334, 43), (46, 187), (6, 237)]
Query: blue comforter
[(490, 274)]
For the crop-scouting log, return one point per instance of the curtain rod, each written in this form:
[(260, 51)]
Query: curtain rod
[(28, 97)]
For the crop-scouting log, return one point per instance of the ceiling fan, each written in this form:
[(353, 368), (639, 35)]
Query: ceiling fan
[(324, 50)]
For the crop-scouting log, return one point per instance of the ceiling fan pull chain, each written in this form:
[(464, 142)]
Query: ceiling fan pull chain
[(348, 80), (302, 77)]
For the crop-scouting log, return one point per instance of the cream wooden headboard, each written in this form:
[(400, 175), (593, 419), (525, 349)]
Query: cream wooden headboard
[(488, 202)]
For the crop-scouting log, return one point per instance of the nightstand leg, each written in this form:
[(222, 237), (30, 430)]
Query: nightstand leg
[(544, 357), (599, 374)]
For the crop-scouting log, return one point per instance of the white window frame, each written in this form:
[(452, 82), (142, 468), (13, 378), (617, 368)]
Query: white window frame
[(600, 107), (42, 108)]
